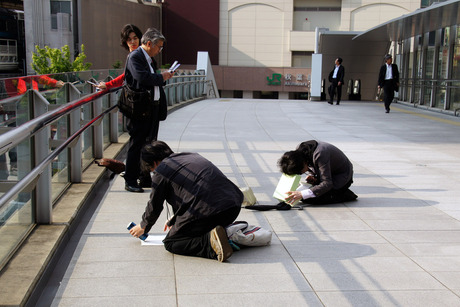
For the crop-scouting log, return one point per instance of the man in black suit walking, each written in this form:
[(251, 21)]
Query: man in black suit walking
[(389, 81), (336, 78)]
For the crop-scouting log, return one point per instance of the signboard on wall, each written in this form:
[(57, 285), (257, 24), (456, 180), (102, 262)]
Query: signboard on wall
[(288, 80)]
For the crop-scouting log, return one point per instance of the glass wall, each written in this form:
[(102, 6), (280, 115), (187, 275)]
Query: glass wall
[(430, 69), (455, 76), (418, 70), (442, 69)]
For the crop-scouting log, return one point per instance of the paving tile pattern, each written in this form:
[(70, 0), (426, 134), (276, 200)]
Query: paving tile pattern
[(397, 245)]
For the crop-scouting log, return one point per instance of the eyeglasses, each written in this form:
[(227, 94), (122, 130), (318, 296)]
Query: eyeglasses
[(159, 47)]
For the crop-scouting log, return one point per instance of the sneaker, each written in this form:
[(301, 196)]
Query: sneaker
[(13, 170), (219, 243)]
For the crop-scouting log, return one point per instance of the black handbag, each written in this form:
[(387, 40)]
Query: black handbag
[(163, 108), (134, 104)]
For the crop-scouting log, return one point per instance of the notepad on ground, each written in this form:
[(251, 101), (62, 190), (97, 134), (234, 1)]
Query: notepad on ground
[(287, 183), (154, 240)]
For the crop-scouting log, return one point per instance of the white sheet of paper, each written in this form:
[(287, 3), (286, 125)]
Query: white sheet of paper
[(286, 183), (153, 240)]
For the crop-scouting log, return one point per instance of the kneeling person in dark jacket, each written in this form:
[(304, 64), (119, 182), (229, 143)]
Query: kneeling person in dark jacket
[(328, 171), (203, 199)]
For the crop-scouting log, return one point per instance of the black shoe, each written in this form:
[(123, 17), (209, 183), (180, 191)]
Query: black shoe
[(330, 102), (387, 111), (134, 188), (338, 102), (144, 183)]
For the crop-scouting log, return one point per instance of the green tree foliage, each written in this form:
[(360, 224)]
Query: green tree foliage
[(54, 60), (117, 64)]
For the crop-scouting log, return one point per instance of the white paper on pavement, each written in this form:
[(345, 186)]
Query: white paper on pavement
[(153, 240)]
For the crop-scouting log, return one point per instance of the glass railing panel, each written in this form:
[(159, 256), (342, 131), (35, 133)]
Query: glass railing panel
[(8, 113), (16, 216), (440, 96), (56, 97), (427, 94), (417, 94), (16, 220), (121, 124), (11, 87), (455, 96), (106, 121), (8, 167), (87, 137), (60, 174), (14, 165)]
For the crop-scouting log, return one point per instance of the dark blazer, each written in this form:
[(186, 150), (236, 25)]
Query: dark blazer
[(138, 76), (340, 74), (332, 167), (194, 187), (383, 71)]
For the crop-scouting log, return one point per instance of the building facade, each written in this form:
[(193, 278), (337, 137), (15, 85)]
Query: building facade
[(94, 24), (261, 37), (264, 49), (426, 46)]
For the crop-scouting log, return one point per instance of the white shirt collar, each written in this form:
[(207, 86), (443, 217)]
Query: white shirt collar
[(149, 59), (156, 89)]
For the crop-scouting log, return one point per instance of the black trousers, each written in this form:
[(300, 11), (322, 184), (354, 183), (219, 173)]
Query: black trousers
[(194, 238), (333, 196), (141, 132), (333, 88), (388, 93)]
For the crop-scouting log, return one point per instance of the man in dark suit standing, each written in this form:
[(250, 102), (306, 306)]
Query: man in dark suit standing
[(141, 74), (389, 81), (336, 78)]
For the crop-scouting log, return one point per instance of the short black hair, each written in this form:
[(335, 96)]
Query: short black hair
[(292, 162), (339, 60), (154, 152), (127, 29)]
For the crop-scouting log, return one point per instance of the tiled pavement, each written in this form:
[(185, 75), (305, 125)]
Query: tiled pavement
[(397, 245)]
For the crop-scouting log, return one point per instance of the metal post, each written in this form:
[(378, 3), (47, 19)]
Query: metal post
[(76, 149), (43, 205), (113, 118), (98, 133)]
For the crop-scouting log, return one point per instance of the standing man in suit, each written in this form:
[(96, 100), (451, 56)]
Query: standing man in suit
[(389, 81), (141, 74), (336, 78)]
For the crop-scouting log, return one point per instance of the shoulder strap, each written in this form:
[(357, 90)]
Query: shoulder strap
[(124, 70), (126, 64)]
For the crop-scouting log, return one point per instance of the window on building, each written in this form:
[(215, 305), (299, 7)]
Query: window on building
[(308, 18), (426, 3), (301, 59), (62, 6)]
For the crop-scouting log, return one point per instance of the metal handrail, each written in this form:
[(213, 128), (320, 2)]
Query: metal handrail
[(12, 138), (34, 179), (15, 136), (35, 173)]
